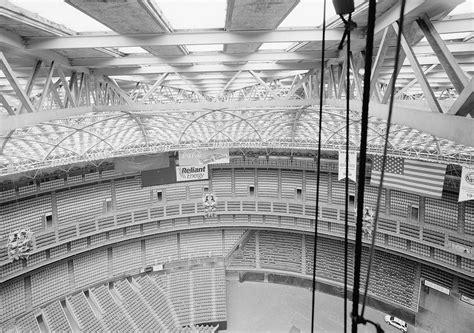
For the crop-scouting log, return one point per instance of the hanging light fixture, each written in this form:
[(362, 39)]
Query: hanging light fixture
[(343, 7)]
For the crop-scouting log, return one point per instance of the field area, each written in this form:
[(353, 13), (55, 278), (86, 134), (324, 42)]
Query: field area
[(266, 307)]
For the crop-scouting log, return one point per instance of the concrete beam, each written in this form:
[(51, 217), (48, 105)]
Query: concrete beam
[(455, 24), (12, 122), (450, 127), (201, 58), (205, 68), (186, 38), (14, 43), (393, 14), (9, 123)]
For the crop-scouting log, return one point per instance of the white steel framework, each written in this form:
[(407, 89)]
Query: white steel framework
[(67, 97)]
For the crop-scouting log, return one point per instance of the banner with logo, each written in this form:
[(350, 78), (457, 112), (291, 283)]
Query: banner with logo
[(466, 189), (437, 287), (203, 156), (352, 165), (468, 300), (190, 173), (142, 163)]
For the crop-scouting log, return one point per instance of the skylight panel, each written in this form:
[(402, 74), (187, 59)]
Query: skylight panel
[(60, 12), (463, 8), (205, 48), (276, 46), (194, 14), (131, 50), (308, 13)]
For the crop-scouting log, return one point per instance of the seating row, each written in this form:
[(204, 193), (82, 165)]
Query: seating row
[(59, 279), (90, 201), (393, 278)]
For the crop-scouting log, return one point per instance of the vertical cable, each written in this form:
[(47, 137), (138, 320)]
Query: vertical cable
[(384, 156), (346, 184), (321, 93), (362, 162)]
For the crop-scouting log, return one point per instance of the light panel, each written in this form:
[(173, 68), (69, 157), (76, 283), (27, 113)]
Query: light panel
[(194, 14), (276, 46), (132, 50), (205, 48), (308, 13), (60, 12), (463, 8)]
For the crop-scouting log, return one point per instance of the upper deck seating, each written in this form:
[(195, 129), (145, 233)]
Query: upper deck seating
[(82, 204)]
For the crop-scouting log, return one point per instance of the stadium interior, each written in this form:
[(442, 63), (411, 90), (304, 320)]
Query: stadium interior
[(154, 153)]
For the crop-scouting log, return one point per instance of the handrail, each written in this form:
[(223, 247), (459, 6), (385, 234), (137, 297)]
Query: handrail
[(297, 228)]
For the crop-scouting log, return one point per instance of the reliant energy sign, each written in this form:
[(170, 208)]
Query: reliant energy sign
[(190, 173)]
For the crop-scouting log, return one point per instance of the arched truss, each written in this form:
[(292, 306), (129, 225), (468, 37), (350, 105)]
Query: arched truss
[(96, 136), (68, 97)]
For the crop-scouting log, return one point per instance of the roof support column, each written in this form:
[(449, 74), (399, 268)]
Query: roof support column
[(153, 87), (68, 98), (264, 84), (8, 72), (379, 59), (420, 76), (7, 106), (29, 85), (452, 68), (463, 104), (412, 82), (47, 86)]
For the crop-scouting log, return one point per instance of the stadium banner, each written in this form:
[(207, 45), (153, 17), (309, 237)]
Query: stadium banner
[(466, 189), (468, 300), (352, 165), (191, 173), (203, 156), (142, 163), (159, 176)]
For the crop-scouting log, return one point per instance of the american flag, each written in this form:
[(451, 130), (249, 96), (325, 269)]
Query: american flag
[(418, 177)]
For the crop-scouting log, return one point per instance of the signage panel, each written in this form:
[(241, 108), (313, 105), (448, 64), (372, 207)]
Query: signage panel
[(191, 173), (203, 156)]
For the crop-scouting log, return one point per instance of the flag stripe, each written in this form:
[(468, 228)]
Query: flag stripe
[(423, 178), (409, 182), (411, 186)]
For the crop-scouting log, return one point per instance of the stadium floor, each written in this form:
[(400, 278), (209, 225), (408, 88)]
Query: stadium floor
[(267, 307)]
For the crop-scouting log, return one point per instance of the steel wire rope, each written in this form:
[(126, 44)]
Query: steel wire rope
[(318, 167), (384, 155), (356, 319), (346, 183)]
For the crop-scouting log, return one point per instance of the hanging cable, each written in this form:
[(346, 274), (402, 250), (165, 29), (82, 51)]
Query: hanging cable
[(321, 93), (356, 319), (347, 33), (384, 155)]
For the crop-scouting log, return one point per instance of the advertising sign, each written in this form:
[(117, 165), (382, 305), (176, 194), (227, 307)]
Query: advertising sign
[(468, 300), (437, 287), (190, 173), (203, 156), (466, 189), (159, 176), (352, 165)]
